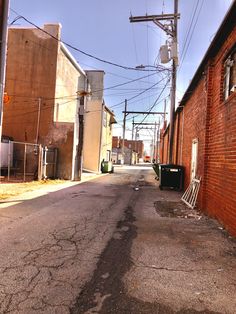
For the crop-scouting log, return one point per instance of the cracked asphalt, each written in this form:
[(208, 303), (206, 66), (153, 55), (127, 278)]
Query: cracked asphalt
[(103, 247)]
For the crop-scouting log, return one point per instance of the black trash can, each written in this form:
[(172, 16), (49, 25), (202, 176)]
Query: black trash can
[(171, 176)]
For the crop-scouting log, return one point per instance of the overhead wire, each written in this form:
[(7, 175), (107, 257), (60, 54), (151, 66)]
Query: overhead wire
[(160, 68), (183, 57)]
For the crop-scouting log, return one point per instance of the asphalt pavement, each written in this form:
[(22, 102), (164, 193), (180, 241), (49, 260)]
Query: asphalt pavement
[(116, 244)]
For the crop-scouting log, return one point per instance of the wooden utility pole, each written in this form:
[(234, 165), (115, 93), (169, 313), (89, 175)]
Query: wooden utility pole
[(170, 30), (81, 136), (173, 87), (4, 11), (133, 129), (157, 143), (124, 127), (154, 141)]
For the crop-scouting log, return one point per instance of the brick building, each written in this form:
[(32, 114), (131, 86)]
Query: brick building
[(205, 127), (136, 146)]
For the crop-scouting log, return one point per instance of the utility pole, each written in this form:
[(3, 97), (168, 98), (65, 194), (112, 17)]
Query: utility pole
[(173, 87), (78, 160), (124, 127), (133, 129), (154, 142), (4, 11), (131, 149), (81, 136), (157, 143), (170, 30)]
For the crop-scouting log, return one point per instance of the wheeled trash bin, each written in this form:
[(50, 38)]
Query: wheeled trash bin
[(171, 176)]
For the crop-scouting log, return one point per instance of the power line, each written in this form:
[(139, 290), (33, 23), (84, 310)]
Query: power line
[(149, 111), (160, 68), (147, 89), (191, 35)]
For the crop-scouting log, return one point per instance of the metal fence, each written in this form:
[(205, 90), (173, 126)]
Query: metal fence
[(28, 161)]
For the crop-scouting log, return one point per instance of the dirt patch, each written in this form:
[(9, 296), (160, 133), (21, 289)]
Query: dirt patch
[(8, 190), (176, 210)]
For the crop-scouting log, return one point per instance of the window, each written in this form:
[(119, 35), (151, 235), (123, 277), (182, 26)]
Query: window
[(230, 75)]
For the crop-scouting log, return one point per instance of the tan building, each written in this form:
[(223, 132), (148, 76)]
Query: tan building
[(43, 80), (98, 125)]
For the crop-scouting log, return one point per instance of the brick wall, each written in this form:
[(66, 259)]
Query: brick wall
[(137, 146), (220, 189), (212, 121)]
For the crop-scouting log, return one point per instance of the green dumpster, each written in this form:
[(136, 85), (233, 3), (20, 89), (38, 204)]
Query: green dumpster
[(107, 167)]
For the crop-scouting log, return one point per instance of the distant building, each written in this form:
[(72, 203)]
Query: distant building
[(136, 146)]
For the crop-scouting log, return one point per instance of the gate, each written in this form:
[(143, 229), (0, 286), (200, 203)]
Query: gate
[(47, 163), (28, 161)]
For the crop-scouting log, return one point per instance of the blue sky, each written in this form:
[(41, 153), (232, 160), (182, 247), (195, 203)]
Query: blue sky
[(102, 28)]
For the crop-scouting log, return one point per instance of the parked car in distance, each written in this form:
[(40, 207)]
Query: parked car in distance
[(147, 159)]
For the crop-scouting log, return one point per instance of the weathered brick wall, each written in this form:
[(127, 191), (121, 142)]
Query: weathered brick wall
[(30, 74), (194, 127), (220, 189), (212, 121)]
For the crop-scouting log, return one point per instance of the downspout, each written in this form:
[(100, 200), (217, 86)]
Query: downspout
[(182, 139)]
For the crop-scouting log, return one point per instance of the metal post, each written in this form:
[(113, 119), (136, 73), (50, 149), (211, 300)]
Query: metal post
[(124, 126), (45, 163), (9, 160), (38, 120), (40, 160), (25, 161)]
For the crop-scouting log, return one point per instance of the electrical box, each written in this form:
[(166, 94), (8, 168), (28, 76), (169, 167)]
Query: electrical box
[(174, 51), (164, 54)]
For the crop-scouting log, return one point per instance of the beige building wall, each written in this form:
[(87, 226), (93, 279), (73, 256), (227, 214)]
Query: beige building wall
[(42, 79), (70, 78), (98, 125), (106, 149), (30, 76), (92, 136), (93, 122)]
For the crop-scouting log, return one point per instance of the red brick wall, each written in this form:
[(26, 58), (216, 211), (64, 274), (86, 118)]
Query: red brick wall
[(137, 146), (116, 142), (211, 120), (221, 149), (194, 127)]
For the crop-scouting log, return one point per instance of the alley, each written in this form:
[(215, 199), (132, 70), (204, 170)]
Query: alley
[(111, 246)]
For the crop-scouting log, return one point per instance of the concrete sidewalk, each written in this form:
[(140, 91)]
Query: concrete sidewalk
[(182, 260)]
